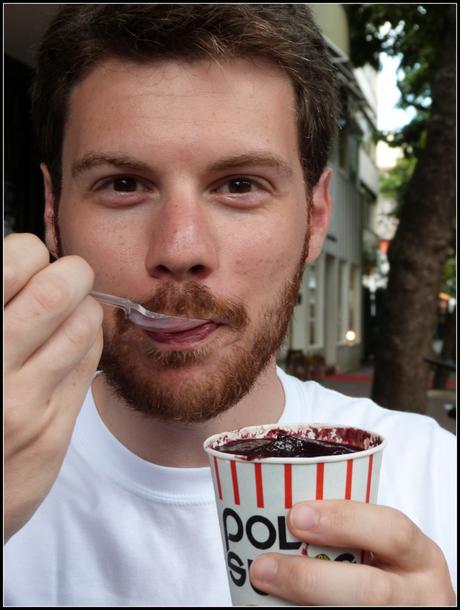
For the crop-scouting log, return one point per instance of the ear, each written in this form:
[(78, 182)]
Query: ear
[(49, 215), (320, 214)]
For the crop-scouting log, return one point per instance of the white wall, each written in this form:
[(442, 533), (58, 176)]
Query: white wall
[(346, 224), (368, 172)]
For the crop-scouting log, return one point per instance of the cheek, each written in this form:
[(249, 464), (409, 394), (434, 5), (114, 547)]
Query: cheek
[(268, 258), (108, 247)]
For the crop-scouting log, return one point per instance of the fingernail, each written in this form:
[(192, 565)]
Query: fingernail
[(264, 568), (304, 517)]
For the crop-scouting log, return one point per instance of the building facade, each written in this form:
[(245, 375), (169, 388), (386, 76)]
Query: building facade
[(327, 324)]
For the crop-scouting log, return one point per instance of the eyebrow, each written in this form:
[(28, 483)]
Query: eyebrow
[(257, 158), (265, 159), (91, 160)]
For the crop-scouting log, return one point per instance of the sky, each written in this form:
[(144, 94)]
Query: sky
[(388, 116)]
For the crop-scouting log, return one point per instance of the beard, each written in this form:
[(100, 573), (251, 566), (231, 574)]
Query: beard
[(138, 373), (133, 368)]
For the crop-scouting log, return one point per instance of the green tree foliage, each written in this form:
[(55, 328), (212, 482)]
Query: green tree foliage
[(392, 183), (410, 32), (414, 35)]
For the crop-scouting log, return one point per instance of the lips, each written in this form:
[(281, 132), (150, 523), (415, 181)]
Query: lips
[(191, 335)]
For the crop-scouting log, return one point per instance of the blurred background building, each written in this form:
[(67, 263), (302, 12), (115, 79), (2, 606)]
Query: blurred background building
[(330, 317)]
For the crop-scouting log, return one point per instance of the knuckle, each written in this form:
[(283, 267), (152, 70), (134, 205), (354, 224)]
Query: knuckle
[(35, 243), (20, 238), (96, 311), (20, 422), (9, 274), (376, 590), (436, 556), (93, 356), (93, 312), (404, 535), (80, 329), (80, 267), (20, 244), (338, 520), (88, 364), (16, 248), (12, 420), (301, 576), (51, 294)]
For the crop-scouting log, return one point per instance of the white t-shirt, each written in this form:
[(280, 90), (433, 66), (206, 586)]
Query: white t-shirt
[(116, 530)]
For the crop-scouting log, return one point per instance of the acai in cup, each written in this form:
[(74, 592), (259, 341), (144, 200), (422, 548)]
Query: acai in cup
[(260, 472)]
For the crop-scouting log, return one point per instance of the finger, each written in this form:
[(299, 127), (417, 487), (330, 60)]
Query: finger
[(391, 536), (31, 414), (24, 255), (78, 381), (36, 312), (65, 349), (305, 581)]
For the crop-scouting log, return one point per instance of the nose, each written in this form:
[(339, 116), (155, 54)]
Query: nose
[(182, 241)]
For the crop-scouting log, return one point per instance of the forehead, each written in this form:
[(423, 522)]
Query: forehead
[(120, 102)]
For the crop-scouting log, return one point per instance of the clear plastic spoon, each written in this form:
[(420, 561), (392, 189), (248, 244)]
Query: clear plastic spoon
[(146, 318)]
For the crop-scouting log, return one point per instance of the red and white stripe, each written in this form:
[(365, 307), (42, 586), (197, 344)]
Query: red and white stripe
[(233, 478)]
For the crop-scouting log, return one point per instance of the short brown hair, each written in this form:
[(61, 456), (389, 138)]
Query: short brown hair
[(83, 35)]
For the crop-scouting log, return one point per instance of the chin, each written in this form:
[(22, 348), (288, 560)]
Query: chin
[(185, 386)]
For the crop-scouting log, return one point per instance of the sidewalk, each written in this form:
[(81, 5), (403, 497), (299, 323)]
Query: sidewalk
[(359, 383)]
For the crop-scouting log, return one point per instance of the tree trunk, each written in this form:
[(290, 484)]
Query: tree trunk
[(419, 250)]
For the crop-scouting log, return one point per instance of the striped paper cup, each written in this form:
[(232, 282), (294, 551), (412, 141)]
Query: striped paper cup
[(254, 496)]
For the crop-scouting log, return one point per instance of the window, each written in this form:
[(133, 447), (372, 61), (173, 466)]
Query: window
[(342, 301), (314, 296), (343, 149), (312, 305), (306, 328), (349, 304), (351, 301), (354, 306)]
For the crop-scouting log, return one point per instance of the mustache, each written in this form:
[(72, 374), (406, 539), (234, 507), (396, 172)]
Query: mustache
[(194, 301)]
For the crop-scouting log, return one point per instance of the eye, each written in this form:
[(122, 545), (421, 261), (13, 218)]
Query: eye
[(124, 184), (242, 192), (239, 186)]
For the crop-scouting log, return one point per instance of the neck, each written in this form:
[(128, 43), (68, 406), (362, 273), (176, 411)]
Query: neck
[(177, 444)]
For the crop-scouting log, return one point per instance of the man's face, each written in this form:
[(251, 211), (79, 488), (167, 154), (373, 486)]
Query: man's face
[(183, 189)]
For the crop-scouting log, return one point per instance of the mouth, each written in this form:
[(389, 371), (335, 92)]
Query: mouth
[(184, 338)]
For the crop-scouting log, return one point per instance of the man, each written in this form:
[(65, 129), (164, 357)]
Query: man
[(184, 153)]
